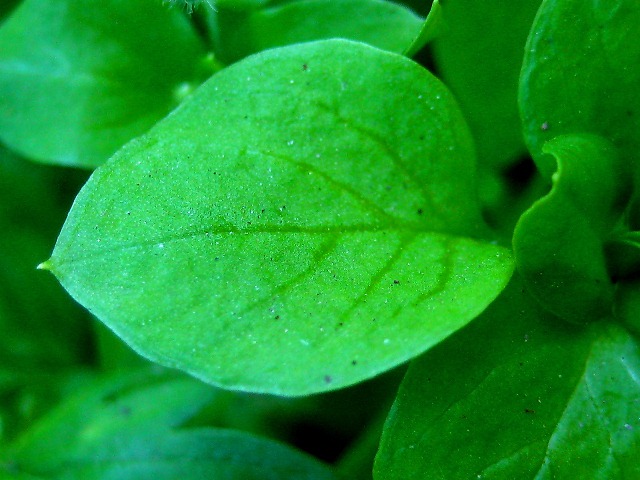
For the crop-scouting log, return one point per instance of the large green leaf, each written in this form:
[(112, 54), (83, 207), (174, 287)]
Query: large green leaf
[(518, 394), (304, 221), (129, 427), (479, 56), (379, 23), (79, 78), (581, 74), (559, 242)]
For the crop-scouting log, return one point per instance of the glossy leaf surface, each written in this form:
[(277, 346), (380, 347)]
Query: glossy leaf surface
[(129, 427), (78, 79), (559, 242), (285, 208), (380, 23), (581, 74), (518, 394)]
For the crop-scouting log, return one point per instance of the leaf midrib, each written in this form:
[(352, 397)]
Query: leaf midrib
[(403, 229)]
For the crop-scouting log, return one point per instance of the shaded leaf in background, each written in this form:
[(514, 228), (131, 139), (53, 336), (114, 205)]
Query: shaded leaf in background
[(627, 305), (429, 30), (6, 7), (43, 334), (559, 242), (518, 394), (129, 426), (376, 22), (478, 54), (315, 201), (78, 78), (581, 74)]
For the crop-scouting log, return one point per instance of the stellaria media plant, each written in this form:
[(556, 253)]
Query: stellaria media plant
[(320, 239)]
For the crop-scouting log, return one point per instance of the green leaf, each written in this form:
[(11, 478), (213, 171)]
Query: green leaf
[(78, 79), (315, 201), (129, 427), (6, 7), (581, 74), (559, 241), (376, 22), (190, 5), (42, 332), (478, 54), (518, 394), (429, 30), (627, 305)]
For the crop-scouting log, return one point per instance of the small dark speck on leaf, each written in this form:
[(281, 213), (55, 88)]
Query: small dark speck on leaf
[(277, 317), (216, 259), (328, 379), (396, 282), (354, 362), (528, 410), (544, 127), (305, 67)]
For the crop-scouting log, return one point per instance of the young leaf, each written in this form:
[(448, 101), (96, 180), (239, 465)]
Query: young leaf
[(78, 79), (315, 201), (129, 427), (581, 74), (379, 23), (517, 394), (559, 241)]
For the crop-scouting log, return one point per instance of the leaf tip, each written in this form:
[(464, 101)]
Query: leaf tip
[(46, 265)]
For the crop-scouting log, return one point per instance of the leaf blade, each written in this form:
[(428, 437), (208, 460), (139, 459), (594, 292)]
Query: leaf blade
[(522, 403), (283, 240), (559, 242), (561, 89), (132, 426), (75, 106)]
